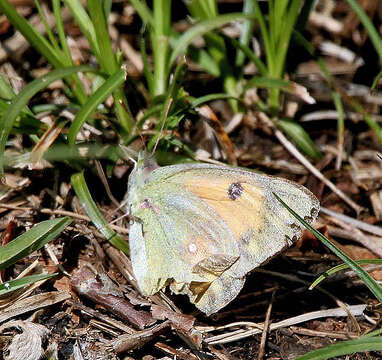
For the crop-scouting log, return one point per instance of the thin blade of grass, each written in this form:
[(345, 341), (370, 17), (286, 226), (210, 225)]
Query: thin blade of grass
[(363, 275), (344, 348), (22, 99), (340, 267), (31, 240), (199, 29), (48, 30), (245, 33), (171, 97), (29, 32), (53, 54), (83, 193), (160, 38), (144, 11), (375, 37), (210, 97), (249, 53), (97, 98), (61, 31), (108, 61), (84, 23), (340, 126), (13, 285), (376, 81), (107, 58), (6, 91), (300, 137)]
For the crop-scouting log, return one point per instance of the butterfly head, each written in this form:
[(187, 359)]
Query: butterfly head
[(143, 167)]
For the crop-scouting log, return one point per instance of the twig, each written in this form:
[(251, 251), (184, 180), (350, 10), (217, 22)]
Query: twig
[(129, 342), (373, 243), (356, 310), (304, 161), (101, 290), (74, 215), (331, 334), (372, 229), (33, 303), (265, 329), (106, 319)]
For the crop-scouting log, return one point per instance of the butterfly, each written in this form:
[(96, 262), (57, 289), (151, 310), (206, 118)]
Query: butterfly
[(200, 228)]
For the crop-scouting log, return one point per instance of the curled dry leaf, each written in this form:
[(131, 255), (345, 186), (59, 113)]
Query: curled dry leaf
[(28, 344)]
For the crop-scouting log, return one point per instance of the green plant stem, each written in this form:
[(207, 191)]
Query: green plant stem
[(160, 37), (108, 62)]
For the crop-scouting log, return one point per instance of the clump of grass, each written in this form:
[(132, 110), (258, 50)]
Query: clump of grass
[(364, 343), (25, 244)]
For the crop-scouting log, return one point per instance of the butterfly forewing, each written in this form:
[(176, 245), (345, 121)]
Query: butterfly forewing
[(203, 227)]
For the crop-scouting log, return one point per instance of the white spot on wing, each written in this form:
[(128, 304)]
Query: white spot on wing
[(192, 248)]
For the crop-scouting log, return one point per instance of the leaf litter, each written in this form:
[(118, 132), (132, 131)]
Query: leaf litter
[(99, 313)]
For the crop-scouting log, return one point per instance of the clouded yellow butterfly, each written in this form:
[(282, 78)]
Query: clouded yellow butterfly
[(200, 228)]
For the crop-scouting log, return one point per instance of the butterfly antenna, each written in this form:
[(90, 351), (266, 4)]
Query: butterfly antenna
[(121, 205), (119, 218), (129, 154), (170, 102), (114, 221)]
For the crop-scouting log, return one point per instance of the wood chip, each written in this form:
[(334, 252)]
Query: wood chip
[(33, 303)]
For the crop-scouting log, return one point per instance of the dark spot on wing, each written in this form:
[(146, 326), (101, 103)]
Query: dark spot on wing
[(235, 190), (147, 204)]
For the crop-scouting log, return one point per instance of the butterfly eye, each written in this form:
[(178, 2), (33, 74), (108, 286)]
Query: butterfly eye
[(235, 190)]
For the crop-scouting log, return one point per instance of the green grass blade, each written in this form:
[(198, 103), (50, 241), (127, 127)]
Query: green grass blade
[(29, 32), (108, 61), (345, 348), (22, 99), (31, 240), (340, 267), (13, 285), (106, 54), (143, 11), (301, 138), (83, 193), (146, 65), (6, 91), (364, 276), (268, 82), (160, 38), (61, 32), (249, 53), (205, 60), (376, 81), (210, 97), (171, 97), (199, 29), (375, 37), (84, 23), (245, 33), (48, 30), (100, 95)]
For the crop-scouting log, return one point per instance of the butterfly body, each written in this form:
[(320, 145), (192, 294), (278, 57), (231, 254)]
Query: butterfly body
[(201, 228)]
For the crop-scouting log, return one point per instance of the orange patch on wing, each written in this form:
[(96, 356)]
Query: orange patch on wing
[(242, 212)]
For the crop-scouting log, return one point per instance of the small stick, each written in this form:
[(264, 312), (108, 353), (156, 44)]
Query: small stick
[(101, 290), (128, 342), (265, 329), (304, 161)]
